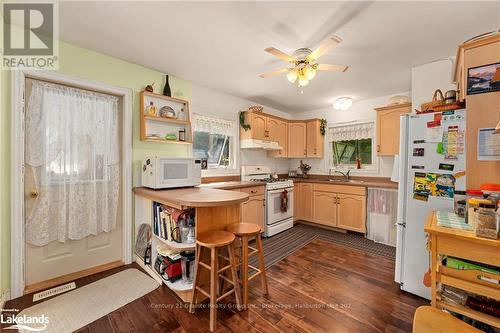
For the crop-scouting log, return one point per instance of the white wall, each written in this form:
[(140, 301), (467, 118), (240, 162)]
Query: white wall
[(210, 102), (426, 78), (360, 111)]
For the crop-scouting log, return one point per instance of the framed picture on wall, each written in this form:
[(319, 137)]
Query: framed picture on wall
[(483, 79)]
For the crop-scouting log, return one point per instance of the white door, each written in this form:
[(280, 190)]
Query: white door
[(59, 257)]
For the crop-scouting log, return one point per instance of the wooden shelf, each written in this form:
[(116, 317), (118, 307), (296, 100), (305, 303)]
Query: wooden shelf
[(471, 287), (167, 141), (167, 120), (166, 98), (175, 245), (471, 313), (163, 126)]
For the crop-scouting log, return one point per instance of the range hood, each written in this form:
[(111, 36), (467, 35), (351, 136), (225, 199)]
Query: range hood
[(259, 144)]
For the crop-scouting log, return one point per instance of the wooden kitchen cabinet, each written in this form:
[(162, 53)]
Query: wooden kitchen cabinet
[(325, 208), (253, 210), (340, 206), (303, 202), (388, 128), (351, 212), (281, 136), (297, 138), (314, 141)]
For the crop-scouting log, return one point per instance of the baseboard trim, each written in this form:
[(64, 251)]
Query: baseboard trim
[(71, 277)]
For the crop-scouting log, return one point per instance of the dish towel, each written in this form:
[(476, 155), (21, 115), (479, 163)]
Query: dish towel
[(284, 201)]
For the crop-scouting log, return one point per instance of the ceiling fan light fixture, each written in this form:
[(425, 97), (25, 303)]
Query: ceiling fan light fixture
[(342, 103), (311, 73), (292, 76), (303, 81)]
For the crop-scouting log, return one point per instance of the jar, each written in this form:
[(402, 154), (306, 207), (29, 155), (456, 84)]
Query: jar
[(494, 197), (472, 196), (486, 221), (459, 203)]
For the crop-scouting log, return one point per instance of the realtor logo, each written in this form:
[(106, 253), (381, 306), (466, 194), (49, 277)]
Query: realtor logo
[(29, 35)]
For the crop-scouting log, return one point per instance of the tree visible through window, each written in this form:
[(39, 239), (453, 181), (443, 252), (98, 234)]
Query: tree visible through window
[(216, 148), (348, 151)]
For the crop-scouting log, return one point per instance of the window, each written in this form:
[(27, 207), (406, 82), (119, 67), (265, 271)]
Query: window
[(214, 140), (350, 143)]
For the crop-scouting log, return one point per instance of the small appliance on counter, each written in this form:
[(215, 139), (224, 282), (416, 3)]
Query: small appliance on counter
[(166, 172)]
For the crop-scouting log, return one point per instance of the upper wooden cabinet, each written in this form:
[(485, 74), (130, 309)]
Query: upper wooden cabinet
[(388, 128), (297, 139), (278, 130), (314, 142), (258, 126)]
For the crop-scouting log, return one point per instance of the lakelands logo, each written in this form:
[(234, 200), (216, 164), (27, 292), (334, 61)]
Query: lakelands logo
[(25, 323), (29, 35)]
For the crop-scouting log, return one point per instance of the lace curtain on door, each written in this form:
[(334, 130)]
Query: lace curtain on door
[(72, 157)]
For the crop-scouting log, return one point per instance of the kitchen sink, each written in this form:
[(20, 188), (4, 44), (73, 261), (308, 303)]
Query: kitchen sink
[(344, 181)]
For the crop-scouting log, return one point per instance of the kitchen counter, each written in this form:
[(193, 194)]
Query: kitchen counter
[(192, 197), (356, 181), (229, 185)]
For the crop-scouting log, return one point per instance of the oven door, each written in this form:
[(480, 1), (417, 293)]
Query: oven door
[(175, 172), (274, 214)]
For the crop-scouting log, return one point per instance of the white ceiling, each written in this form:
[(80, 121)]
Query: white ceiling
[(221, 44)]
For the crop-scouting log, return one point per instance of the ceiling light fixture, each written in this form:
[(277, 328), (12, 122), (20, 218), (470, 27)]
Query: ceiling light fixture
[(342, 103)]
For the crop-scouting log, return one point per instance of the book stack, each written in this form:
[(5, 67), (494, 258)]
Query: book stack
[(163, 223)]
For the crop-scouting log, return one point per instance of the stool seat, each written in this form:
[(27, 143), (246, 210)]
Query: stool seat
[(213, 239), (244, 229)]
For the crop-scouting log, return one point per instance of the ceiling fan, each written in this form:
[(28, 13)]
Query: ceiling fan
[(304, 62)]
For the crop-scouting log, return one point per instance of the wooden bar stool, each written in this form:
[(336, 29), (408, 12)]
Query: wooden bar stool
[(215, 241), (245, 231)]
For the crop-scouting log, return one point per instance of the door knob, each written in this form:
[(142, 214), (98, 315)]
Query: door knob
[(34, 194)]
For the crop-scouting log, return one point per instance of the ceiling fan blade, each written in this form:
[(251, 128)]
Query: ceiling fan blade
[(282, 55), (332, 68), (324, 47), (276, 72)]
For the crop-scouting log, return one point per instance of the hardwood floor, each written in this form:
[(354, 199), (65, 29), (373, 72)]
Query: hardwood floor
[(322, 287)]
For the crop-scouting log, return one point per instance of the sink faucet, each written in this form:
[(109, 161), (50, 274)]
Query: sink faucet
[(346, 174)]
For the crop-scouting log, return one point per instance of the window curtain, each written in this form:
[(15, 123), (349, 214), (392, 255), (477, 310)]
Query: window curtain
[(351, 132), (382, 210), (213, 125), (72, 157)]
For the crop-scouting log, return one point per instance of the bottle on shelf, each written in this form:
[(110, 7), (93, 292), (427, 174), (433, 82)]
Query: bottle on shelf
[(151, 110)]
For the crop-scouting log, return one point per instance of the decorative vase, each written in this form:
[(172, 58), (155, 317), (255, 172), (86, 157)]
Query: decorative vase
[(166, 89)]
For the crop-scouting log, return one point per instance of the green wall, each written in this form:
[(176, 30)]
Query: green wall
[(83, 63)]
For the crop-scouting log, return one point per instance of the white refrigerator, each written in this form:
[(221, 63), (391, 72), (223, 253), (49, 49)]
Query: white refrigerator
[(419, 156)]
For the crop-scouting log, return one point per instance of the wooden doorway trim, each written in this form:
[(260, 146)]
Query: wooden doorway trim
[(17, 165)]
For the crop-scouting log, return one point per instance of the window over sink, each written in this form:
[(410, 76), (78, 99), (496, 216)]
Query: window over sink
[(350, 143)]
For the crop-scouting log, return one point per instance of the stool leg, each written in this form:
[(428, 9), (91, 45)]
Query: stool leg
[(244, 270), (213, 288), (234, 275), (262, 265), (196, 278)]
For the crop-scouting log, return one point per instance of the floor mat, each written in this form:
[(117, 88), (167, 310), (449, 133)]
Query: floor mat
[(78, 308), (283, 244)]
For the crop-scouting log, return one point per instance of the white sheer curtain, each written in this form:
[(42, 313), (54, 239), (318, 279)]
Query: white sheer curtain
[(72, 156), (382, 211)]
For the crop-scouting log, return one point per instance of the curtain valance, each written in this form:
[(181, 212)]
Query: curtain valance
[(351, 132), (213, 125)]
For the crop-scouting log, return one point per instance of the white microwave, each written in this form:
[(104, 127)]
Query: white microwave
[(164, 172)]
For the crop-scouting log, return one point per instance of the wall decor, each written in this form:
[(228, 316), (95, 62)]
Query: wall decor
[(243, 125), (149, 87), (322, 126), (483, 79)]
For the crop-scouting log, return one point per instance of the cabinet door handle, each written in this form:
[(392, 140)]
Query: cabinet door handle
[(378, 148), (253, 191), (314, 151)]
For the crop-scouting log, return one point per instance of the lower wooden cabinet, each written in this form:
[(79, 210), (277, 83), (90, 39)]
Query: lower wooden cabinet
[(325, 208), (253, 210), (351, 212), (340, 206), (303, 202)]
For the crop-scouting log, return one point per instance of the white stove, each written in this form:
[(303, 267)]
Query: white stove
[(279, 198)]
